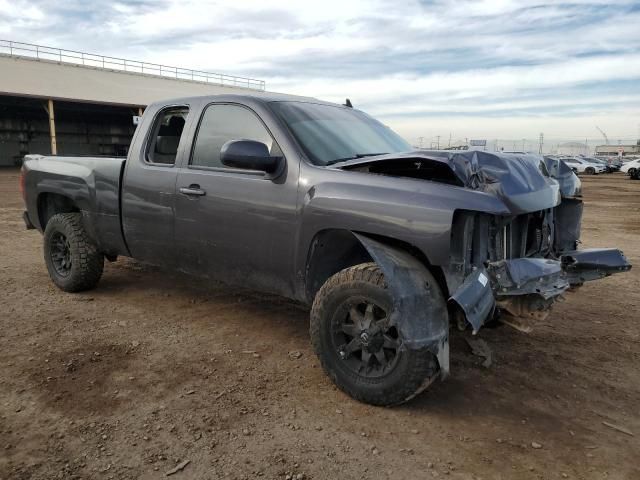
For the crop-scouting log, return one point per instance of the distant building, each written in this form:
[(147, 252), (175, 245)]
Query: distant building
[(614, 149), (572, 148)]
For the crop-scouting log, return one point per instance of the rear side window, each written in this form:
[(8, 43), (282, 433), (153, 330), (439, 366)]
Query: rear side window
[(221, 123), (165, 136)]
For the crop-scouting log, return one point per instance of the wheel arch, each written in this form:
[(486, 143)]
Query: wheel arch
[(333, 250), (50, 204)]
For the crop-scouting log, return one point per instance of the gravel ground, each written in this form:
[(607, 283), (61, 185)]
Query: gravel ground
[(154, 369)]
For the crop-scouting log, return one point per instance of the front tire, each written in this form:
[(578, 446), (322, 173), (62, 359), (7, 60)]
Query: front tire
[(590, 171), (72, 258), (357, 347)]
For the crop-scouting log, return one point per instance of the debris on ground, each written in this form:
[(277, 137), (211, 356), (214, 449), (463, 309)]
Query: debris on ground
[(480, 348), (618, 428), (295, 354), (178, 468)]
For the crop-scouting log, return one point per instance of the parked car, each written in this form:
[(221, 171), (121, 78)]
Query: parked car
[(630, 168), (616, 162), (608, 164), (325, 205), (581, 165)]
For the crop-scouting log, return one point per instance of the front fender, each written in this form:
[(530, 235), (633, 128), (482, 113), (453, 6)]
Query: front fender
[(419, 308)]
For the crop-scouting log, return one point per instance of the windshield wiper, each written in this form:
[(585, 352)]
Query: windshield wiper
[(355, 157)]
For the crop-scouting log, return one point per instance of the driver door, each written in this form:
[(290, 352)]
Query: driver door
[(230, 224)]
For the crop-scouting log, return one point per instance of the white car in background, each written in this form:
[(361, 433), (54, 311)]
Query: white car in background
[(630, 167), (580, 165)]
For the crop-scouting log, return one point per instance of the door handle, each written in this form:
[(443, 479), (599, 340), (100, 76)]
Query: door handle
[(193, 190)]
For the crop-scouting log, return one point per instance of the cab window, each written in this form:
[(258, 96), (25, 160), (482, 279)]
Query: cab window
[(165, 136), (221, 123)]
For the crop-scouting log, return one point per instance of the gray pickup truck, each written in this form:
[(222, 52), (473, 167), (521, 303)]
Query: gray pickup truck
[(323, 204)]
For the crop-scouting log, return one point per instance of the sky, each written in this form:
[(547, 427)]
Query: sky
[(460, 69)]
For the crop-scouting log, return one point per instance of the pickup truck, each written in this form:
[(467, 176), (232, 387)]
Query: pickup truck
[(321, 203)]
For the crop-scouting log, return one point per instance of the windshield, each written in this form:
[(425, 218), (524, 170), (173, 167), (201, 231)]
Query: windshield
[(329, 134)]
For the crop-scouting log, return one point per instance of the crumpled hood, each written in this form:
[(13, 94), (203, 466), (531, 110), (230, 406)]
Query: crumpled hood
[(522, 181)]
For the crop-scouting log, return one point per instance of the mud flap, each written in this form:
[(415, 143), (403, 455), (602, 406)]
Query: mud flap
[(592, 264), (422, 324), (475, 298)]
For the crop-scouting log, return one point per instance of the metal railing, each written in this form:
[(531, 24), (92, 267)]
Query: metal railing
[(28, 50)]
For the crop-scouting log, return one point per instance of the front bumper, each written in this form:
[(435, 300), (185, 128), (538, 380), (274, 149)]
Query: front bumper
[(525, 288), (592, 264)]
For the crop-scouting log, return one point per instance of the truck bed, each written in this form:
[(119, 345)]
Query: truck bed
[(92, 183)]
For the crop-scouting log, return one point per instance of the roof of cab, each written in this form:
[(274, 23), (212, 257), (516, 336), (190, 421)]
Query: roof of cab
[(266, 97)]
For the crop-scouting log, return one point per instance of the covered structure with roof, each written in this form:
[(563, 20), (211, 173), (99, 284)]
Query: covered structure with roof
[(55, 101), (618, 149)]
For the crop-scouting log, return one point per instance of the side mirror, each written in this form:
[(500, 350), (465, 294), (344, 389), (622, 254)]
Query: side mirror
[(248, 155)]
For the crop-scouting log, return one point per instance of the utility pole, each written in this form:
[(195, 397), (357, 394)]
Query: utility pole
[(438, 137), (540, 143), (420, 140)]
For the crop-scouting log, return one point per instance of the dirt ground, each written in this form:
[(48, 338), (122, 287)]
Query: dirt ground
[(154, 368)]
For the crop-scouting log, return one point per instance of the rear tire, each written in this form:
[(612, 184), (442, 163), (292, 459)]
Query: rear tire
[(72, 258), (369, 363)]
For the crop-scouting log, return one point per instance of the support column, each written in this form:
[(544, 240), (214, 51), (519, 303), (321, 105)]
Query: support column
[(52, 128), (140, 111)]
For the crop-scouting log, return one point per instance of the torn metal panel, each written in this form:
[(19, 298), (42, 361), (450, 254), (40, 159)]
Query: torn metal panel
[(592, 264), (570, 184), (475, 298), (422, 323), (523, 276), (522, 182), (568, 223)]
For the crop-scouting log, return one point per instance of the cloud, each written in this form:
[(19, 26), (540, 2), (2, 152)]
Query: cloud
[(413, 63)]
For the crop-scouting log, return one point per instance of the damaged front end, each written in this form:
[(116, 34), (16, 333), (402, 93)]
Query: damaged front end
[(516, 267), (513, 265)]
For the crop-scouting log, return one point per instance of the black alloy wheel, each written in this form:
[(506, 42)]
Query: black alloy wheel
[(358, 346), (363, 338), (60, 253), (72, 258)]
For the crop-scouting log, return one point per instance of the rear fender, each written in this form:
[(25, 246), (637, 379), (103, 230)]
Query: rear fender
[(423, 323)]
